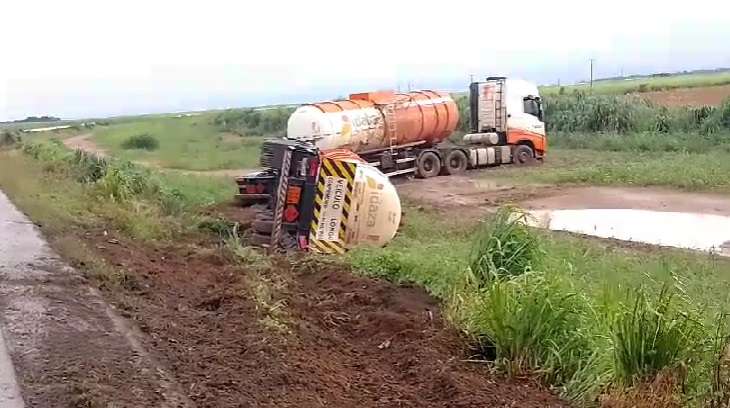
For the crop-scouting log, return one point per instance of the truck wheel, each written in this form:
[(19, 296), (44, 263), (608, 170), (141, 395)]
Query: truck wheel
[(455, 163), (264, 222), (260, 239), (523, 155), (428, 164)]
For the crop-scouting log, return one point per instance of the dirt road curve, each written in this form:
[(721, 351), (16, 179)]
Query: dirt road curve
[(84, 142), (68, 346)]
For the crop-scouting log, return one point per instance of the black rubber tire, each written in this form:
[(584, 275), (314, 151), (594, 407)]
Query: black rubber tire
[(263, 227), (428, 164), (522, 155), (455, 163), (264, 222)]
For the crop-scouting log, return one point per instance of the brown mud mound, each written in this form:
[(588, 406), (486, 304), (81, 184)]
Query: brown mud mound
[(706, 95), (300, 334)]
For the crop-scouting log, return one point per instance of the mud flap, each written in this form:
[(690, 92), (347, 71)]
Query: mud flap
[(332, 206)]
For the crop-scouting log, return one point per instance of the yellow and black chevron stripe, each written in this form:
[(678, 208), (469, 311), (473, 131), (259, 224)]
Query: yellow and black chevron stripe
[(332, 168)]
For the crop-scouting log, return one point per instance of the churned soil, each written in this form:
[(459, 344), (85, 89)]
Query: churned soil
[(707, 95), (302, 332)]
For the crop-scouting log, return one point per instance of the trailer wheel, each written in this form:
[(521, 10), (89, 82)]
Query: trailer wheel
[(455, 163), (428, 164), (522, 155)]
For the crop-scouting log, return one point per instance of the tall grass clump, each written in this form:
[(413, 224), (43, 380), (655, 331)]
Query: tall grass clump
[(535, 324), (653, 334), (504, 247), (143, 141)]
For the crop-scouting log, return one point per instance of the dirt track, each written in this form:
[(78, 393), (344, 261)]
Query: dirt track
[(475, 194)]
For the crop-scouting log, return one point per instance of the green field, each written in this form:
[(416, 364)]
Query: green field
[(688, 171), (189, 143), (644, 84)]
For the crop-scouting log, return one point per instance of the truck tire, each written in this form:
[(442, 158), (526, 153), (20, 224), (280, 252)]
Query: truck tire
[(260, 239), (522, 155), (455, 163), (264, 222), (428, 164)]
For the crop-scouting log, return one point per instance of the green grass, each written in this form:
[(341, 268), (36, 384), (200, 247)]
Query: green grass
[(643, 142), (580, 301), (690, 171), (188, 143), (645, 84)]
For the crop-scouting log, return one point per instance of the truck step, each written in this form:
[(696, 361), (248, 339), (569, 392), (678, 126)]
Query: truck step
[(399, 172)]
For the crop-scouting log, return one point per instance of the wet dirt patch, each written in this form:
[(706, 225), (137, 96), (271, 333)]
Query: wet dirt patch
[(472, 195)]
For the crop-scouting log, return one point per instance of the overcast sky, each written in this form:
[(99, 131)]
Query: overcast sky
[(79, 59)]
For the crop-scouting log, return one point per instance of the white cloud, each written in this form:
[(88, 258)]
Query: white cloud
[(80, 58)]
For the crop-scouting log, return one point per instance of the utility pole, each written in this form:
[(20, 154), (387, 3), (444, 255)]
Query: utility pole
[(592, 60)]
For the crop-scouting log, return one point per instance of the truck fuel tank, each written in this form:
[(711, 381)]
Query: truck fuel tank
[(355, 205)]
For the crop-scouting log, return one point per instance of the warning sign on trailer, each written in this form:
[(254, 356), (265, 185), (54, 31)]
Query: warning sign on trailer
[(333, 201)]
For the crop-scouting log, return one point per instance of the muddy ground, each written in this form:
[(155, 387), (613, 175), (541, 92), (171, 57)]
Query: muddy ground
[(299, 334), (476, 194), (708, 95), (200, 330)]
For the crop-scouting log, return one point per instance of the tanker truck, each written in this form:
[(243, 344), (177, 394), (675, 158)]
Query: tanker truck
[(408, 133), (325, 185)]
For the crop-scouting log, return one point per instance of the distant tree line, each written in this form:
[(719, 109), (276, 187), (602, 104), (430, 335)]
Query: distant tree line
[(37, 119), (254, 122)]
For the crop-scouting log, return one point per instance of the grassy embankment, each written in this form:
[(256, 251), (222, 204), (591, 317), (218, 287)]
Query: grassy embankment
[(645, 84)]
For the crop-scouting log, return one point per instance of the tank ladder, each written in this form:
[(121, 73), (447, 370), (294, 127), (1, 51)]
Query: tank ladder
[(500, 124), (392, 126)]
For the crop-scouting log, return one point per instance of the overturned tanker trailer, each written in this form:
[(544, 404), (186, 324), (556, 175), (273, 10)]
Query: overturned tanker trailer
[(324, 202)]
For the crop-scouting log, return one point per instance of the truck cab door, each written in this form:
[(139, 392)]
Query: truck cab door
[(525, 122)]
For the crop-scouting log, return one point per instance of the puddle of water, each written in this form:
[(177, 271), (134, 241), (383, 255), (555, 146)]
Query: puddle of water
[(704, 232)]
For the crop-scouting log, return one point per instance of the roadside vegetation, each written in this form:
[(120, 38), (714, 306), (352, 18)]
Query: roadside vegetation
[(596, 321), (141, 202), (269, 122)]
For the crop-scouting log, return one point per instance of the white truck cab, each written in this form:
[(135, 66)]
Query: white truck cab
[(508, 112)]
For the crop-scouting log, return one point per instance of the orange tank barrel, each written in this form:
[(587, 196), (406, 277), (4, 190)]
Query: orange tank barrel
[(362, 123)]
